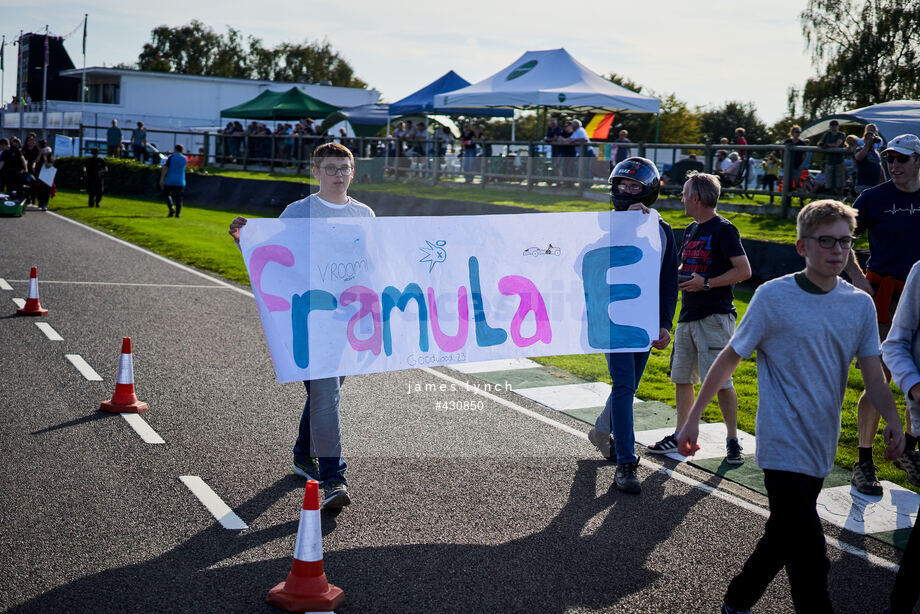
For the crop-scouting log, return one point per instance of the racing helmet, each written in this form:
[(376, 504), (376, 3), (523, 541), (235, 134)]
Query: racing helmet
[(637, 169)]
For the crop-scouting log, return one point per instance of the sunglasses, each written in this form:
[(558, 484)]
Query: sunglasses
[(892, 156)]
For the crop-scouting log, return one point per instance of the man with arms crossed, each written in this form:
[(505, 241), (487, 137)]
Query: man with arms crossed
[(890, 214), (318, 450), (806, 329), (712, 261)]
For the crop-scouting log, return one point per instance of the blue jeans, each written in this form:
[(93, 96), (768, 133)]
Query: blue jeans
[(617, 418), (320, 434)]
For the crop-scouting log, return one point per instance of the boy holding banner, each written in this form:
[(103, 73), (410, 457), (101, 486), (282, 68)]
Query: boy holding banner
[(318, 450), (634, 184)]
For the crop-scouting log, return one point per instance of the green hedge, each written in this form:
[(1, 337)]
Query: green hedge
[(125, 177)]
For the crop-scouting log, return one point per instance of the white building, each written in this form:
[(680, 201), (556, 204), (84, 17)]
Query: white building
[(165, 101)]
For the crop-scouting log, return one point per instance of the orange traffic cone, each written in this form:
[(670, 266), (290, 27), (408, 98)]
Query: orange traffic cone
[(306, 587), (32, 306), (124, 400)]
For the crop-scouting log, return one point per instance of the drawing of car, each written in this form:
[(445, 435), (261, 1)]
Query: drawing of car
[(550, 250)]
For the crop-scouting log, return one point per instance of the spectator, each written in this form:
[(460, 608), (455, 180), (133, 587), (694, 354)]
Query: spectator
[(444, 139), (740, 140), (318, 450), (772, 167), (400, 135), (113, 140), (721, 162), (44, 191), (887, 213), (798, 157), (12, 166), (421, 138), (553, 134), (94, 170), (468, 142), (31, 152), (731, 169), (139, 143), (869, 172), (712, 261), (567, 153), (580, 138), (172, 179), (851, 143), (834, 167), (622, 150)]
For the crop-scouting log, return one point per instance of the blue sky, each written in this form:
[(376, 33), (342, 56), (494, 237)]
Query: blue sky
[(706, 53)]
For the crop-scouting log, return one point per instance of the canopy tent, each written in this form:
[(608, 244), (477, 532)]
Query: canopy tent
[(366, 120), (422, 101), (549, 78), (290, 105), (892, 118)]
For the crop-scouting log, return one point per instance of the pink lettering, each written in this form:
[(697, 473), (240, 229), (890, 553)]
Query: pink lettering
[(531, 301), (259, 259), (370, 304), (450, 343)]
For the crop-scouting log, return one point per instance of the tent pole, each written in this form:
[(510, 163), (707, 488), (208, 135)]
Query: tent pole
[(657, 125)]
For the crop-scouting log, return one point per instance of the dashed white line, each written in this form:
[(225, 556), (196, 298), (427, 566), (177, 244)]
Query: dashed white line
[(737, 501), (4, 285), (214, 504), (83, 367), (49, 331), (124, 283), (143, 429), (20, 302)]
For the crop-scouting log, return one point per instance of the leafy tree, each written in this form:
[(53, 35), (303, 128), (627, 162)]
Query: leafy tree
[(865, 52), (721, 122), (677, 123)]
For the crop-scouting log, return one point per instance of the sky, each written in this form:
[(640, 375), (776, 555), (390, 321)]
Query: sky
[(706, 54)]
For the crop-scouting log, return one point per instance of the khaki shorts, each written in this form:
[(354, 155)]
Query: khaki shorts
[(696, 346)]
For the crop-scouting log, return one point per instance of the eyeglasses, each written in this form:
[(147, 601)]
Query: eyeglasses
[(796, 132), (892, 156), (828, 242), (332, 171), (632, 188)]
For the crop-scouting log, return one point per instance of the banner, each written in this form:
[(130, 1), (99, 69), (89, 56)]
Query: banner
[(343, 296)]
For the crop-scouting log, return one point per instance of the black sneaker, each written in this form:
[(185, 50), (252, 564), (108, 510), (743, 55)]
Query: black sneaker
[(668, 444), (626, 480), (309, 469), (335, 496), (604, 443), (728, 610), (910, 462), (864, 479), (733, 455)]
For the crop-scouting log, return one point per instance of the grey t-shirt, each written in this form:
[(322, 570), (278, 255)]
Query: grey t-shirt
[(313, 206), (805, 343)]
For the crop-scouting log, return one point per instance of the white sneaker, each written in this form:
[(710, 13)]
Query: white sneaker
[(603, 442)]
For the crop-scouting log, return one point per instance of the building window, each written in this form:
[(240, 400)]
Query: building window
[(103, 93)]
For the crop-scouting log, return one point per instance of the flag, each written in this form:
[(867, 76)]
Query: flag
[(84, 33), (2, 49), (598, 128), (46, 51)]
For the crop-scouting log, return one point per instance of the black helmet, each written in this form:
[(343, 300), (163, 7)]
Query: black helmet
[(637, 169)]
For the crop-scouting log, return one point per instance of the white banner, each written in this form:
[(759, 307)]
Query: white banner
[(342, 296)]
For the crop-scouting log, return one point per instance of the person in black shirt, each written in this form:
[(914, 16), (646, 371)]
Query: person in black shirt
[(712, 260), (798, 157), (94, 169)]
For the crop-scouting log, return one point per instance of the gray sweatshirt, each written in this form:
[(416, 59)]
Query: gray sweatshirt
[(901, 350)]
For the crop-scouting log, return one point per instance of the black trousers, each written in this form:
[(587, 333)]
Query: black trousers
[(793, 538), (174, 198), (94, 193), (906, 587)]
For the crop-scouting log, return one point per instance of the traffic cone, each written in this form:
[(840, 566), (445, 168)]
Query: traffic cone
[(306, 587), (124, 400), (32, 306)]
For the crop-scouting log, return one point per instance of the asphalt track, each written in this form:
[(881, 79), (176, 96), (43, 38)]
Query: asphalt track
[(503, 509)]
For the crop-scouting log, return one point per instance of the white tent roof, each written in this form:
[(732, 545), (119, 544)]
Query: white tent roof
[(892, 118), (549, 78)]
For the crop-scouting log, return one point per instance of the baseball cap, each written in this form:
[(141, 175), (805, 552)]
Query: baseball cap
[(906, 144)]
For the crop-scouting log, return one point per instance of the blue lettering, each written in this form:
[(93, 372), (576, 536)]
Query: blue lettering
[(485, 334), (391, 298), (301, 306), (603, 333)]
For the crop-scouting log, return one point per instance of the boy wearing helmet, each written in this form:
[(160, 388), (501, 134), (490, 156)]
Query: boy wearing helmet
[(634, 185)]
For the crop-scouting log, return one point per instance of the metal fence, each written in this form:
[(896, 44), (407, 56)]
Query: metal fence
[(525, 164)]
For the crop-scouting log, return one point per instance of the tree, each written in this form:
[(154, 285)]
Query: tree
[(677, 123), (722, 122), (865, 52), (196, 49)]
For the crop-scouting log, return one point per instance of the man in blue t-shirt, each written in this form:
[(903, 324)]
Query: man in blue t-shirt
[(172, 179), (890, 214)]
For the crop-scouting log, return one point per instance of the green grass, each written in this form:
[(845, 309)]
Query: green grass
[(200, 239)]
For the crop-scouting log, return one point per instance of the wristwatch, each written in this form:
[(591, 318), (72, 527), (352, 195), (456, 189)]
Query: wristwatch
[(706, 284)]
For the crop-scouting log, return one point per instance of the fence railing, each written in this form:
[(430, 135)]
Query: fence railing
[(528, 164)]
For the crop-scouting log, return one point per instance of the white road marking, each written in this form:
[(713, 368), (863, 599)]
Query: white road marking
[(142, 428), (188, 269), (123, 283), (20, 302), (4, 285), (220, 510), (49, 331), (728, 497), (83, 367)]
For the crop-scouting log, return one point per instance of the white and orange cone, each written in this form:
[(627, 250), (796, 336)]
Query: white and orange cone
[(124, 400), (32, 306), (306, 587)]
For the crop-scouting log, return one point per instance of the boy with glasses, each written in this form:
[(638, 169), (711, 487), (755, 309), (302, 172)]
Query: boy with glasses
[(890, 214), (318, 450), (806, 329)]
